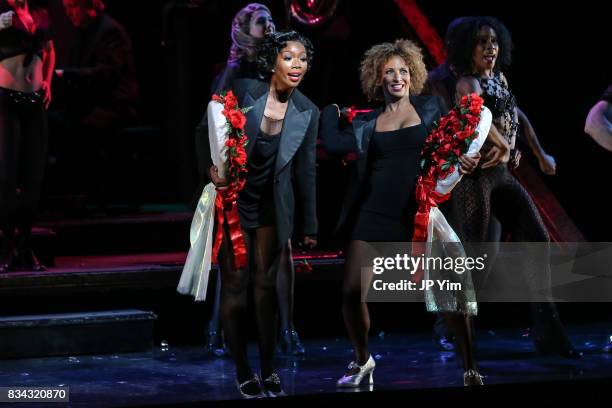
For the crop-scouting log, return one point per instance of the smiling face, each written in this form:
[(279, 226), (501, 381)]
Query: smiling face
[(291, 65), (395, 79), (486, 50), (261, 24)]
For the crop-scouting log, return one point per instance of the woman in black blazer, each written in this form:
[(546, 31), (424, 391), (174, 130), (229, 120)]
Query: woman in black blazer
[(380, 205), (282, 127)]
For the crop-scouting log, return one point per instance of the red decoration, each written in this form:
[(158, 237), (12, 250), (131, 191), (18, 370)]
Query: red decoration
[(449, 140), (226, 208), (426, 33), (312, 12), (352, 111), (303, 267)]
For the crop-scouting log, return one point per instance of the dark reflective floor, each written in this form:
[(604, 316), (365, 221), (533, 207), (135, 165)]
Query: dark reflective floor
[(184, 374)]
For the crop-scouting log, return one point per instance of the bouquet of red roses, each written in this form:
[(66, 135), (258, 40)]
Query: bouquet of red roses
[(236, 139), (453, 136), (227, 139), (225, 203)]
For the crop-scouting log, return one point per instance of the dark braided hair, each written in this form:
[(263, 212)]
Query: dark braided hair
[(462, 40), (273, 44)]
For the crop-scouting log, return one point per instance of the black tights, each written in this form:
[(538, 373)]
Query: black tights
[(264, 256), (285, 283), (23, 156), (495, 190), (357, 317)]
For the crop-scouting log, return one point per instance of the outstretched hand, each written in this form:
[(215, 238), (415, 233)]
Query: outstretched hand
[(548, 165)]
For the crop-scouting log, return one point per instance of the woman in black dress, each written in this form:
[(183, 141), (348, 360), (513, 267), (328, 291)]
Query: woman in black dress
[(27, 59), (249, 27), (282, 127), (381, 204)]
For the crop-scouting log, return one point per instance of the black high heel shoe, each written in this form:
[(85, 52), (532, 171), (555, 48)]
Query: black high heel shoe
[(472, 378), (215, 345), (8, 256), (27, 261), (445, 343), (290, 343), (272, 386), (549, 335)]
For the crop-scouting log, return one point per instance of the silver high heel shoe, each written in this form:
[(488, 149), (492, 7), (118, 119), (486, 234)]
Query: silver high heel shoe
[(366, 370), (251, 388)]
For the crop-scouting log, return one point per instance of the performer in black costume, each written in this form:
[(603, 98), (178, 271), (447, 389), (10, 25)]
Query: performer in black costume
[(249, 26), (481, 48), (442, 81), (380, 205), (282, 127), (27, 58)]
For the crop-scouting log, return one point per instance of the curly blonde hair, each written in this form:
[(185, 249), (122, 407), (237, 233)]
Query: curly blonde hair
[(375, 58)]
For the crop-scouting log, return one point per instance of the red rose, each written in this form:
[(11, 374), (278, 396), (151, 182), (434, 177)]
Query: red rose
[(230, 101), (240, 157), (237, 119), (476, 106), (461, 136), (231, 142)]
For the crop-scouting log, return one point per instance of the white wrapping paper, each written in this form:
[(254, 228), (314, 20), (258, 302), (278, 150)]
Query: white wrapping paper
[(194, 278), (446, 185)]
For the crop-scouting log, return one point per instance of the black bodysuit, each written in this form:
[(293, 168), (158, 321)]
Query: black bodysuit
[(16, 39), (23, 132), (496, 189)]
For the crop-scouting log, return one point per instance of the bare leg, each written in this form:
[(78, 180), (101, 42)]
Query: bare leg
[(460, 326), (355, 312)]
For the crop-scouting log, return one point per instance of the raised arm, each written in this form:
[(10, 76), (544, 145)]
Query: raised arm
[(546, 161), (48, 67), (598, 124), (334, 140)]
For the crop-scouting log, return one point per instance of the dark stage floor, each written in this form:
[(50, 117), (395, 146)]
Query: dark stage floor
[(404, 362)]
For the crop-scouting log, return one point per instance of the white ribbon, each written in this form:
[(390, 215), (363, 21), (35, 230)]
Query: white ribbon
[(194, 279)]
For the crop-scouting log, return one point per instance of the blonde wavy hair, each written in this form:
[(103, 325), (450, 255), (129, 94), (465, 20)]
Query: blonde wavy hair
[(375, 58)]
